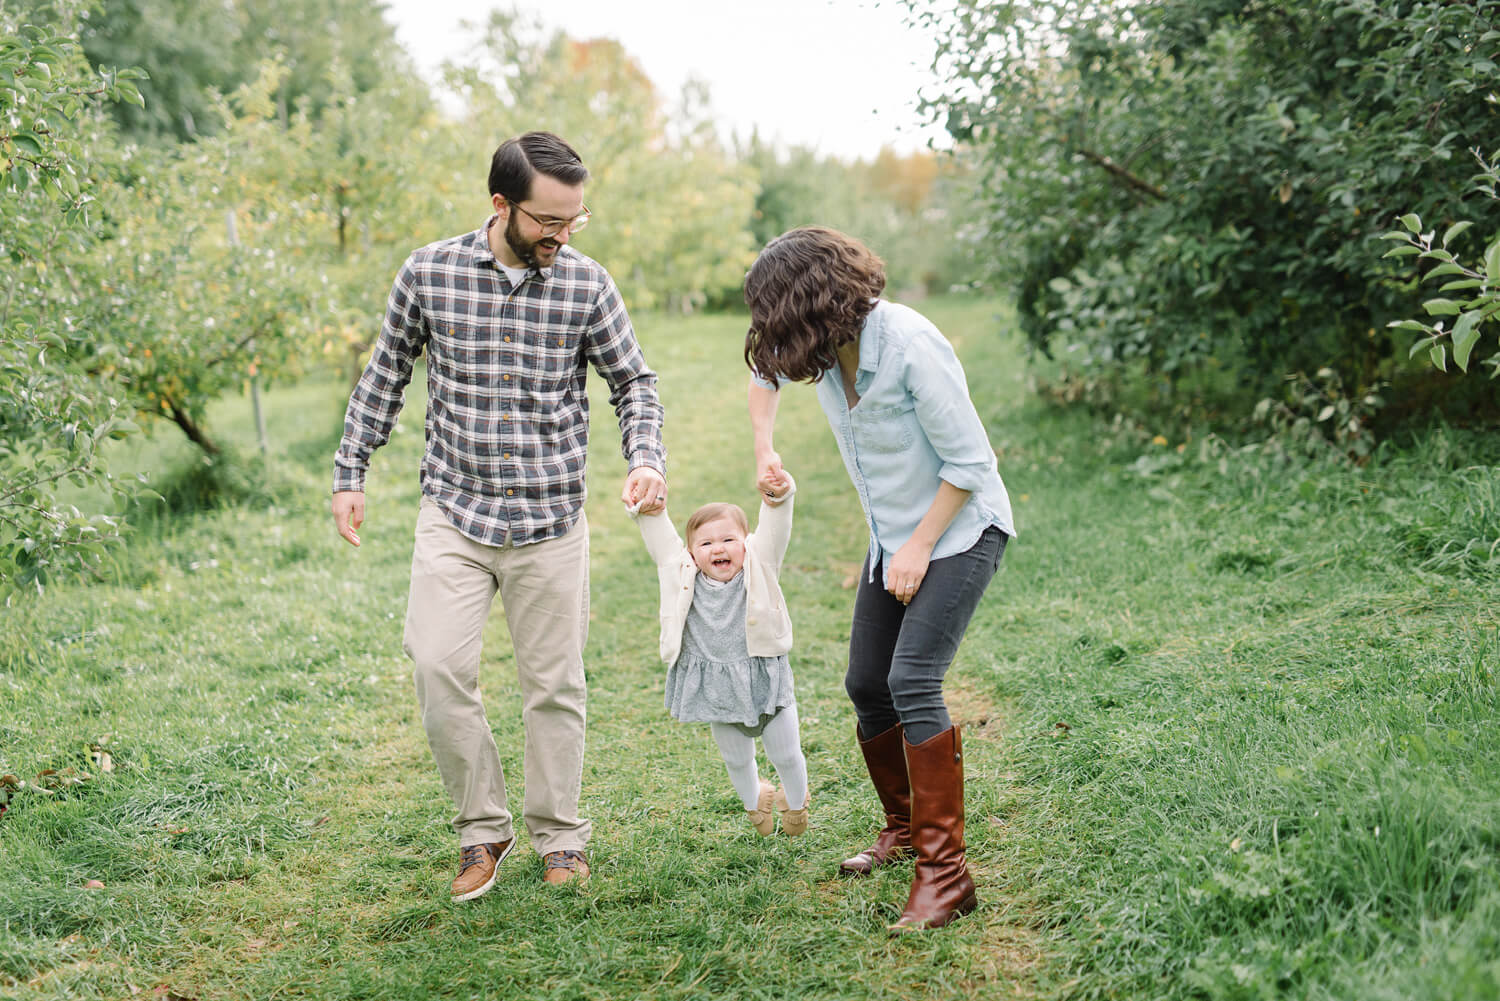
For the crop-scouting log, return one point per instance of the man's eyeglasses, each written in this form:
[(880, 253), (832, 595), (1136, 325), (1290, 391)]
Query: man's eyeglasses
[(552, 227)]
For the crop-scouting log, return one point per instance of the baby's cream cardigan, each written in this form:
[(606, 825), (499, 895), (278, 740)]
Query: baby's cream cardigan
[(768, 626)]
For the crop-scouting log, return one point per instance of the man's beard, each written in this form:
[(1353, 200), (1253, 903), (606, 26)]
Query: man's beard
[(519, 245)]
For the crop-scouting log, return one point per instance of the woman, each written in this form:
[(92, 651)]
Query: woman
[(895, 397)]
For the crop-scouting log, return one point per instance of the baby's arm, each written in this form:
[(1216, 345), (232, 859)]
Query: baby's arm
[(773, 529), (662, 540)]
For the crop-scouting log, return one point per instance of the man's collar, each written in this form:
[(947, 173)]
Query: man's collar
[(484, 255)]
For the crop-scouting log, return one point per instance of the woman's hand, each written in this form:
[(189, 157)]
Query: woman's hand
[(770, 479), (907, 570)]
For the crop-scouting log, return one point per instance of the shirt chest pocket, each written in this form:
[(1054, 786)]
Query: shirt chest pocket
[(885, 429), (554, 355), (462, 347)]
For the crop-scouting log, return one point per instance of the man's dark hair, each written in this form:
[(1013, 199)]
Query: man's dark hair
[(809, 292), (518, 160)]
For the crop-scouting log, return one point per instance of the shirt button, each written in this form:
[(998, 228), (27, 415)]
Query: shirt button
[(507, 455), (561, 342), (507, 338), (505, 378), (509, 493), (505, 417), (750, 622)]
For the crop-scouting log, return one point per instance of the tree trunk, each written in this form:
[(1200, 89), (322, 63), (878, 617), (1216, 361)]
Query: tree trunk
[(190, 428)]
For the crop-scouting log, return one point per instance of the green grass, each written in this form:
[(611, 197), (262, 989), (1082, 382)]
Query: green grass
[(1231, 725)]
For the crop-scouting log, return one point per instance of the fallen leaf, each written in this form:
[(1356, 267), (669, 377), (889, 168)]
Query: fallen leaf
[(167, 994), (93, 884), (55, 780), (101, 758)]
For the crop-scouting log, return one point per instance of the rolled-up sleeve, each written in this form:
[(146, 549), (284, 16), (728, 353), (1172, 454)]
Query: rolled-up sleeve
[(774, 385), (935, 379)]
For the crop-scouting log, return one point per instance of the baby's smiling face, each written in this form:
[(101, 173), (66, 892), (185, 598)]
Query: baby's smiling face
[(718, 548)]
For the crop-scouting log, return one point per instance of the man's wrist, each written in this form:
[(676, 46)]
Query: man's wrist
[(649, 461)]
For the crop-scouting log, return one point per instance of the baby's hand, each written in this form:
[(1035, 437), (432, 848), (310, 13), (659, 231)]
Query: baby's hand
[(774, 487)]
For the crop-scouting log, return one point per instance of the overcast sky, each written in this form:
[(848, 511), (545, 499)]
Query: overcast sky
[(838, 76)]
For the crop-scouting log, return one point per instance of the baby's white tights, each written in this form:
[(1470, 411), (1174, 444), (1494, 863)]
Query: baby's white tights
[(782, 738)]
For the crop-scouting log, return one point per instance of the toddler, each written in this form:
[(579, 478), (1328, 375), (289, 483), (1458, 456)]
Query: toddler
[(725, 632)]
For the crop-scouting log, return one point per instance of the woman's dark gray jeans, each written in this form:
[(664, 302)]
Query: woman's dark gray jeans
[(899, 653)]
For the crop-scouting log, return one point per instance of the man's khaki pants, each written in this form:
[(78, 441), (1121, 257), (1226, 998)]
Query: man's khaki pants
[(544, 589)]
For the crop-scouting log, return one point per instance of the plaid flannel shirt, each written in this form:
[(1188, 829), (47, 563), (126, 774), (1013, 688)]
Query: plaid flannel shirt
[(507, 411)]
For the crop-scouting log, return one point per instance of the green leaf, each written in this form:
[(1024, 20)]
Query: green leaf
[(1445, 269), (1465, 334), (1417, 347), (1060, 285), (1463, 283), (1492, 263), (129, 92), (1412, 221), (1409, 325), (1442, 307), (1405, 251), (1454, 230), (27, 143), (1440, 357), (1395, 234)]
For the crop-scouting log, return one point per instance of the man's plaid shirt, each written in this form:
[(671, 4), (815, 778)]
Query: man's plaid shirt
[(507, 412)]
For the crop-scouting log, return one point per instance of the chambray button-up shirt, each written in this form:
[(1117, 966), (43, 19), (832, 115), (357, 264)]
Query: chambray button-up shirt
[(507, 409), (914, 425)]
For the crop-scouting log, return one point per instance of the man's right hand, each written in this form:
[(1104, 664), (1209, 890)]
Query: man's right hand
[(349, 514)]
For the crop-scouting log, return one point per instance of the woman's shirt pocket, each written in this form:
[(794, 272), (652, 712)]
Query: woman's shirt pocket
[(885, 429)]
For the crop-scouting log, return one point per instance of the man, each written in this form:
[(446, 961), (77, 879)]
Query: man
[(510, 317)]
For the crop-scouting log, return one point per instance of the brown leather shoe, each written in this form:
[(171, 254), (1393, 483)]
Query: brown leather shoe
[(941, 889), (565, 866), (477, 865), (885, 759)]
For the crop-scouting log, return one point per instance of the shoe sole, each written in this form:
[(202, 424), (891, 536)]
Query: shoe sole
[(481, 891)]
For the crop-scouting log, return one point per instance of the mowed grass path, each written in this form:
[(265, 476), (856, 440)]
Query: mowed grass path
[(1230, 728)]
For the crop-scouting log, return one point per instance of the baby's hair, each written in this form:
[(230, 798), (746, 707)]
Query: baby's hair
[(712, 512)]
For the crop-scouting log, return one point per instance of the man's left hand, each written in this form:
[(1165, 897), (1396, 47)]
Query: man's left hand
[(647, 487)]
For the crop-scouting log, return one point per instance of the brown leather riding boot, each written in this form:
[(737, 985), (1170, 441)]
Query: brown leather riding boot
[(886, 761), (941, 889)]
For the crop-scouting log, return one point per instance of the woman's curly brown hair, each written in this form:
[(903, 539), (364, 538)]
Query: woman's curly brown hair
[(809, 292)]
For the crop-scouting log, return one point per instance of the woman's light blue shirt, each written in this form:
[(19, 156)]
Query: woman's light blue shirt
[(914, 425)]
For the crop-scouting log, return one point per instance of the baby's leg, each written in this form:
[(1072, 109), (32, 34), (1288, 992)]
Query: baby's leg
[(738, 751), (783, 739)]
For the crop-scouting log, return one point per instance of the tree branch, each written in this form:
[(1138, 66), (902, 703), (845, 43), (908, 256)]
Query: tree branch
[(1130, 181), (5, 499)]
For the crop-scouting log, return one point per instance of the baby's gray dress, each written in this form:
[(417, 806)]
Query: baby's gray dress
[(715, 680)]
